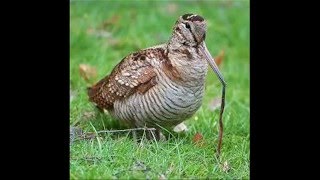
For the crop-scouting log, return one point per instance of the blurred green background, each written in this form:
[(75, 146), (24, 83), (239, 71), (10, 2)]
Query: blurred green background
[(102, 33)]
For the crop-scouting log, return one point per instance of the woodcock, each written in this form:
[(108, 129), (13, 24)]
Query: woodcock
[(160, 86)]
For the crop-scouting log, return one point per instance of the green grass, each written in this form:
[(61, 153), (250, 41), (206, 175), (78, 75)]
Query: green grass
[(145, 24)]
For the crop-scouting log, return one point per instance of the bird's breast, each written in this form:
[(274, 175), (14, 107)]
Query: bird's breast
[(167, 103), (176, 96)]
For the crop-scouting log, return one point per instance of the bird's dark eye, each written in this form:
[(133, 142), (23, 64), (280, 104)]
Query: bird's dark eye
[(188, 25)]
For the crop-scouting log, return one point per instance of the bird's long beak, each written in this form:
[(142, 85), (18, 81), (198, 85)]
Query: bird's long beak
[(211, 62)]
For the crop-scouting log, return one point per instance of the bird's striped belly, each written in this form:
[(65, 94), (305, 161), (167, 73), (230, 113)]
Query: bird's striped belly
[(166, 104)]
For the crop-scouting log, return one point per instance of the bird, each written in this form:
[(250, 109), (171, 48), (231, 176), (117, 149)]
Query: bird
[(159, 86)]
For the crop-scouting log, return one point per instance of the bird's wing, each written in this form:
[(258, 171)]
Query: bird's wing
[(134, 74)]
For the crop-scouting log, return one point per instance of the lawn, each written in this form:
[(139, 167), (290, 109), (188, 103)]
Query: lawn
[(101, 34)]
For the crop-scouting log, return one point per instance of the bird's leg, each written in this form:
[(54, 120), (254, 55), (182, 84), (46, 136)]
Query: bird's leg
[(134, 135), (162, 137), (155, 135)]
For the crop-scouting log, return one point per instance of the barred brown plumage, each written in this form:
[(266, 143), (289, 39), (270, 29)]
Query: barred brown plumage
[(161, 85)]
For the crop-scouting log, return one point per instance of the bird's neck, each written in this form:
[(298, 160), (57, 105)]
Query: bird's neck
[(187, 60)]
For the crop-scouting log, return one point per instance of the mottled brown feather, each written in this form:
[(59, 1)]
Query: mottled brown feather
[(171, 71), (133, 74), (143, 88)]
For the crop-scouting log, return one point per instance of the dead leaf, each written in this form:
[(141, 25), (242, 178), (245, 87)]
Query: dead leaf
[(102, 32), (219, 58), (90, 31), (99, 33), (180, 128), (114, 42), (198, 139), (215, 104), (225, 167), (162, 177), (133, 15), (87, 72), (88, 115), (111, 21), (227, 3), (172, 8), (170, 169)]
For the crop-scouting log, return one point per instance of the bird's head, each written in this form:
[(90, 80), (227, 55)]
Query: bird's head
[(190, 30)]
